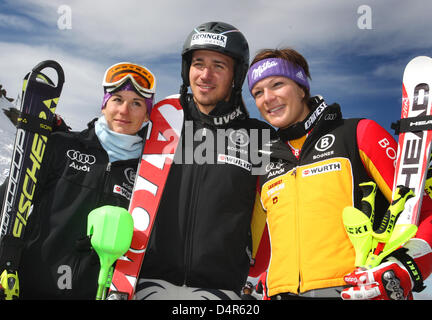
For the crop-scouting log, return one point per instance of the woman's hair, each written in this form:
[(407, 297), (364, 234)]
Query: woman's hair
[(288, 54)]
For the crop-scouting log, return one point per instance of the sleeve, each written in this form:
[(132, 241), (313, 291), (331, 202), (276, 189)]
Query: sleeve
[(260, 238), (378, 151)]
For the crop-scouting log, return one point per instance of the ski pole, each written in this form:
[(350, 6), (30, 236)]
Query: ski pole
[(372, 246), (111, 230), (387, 239)]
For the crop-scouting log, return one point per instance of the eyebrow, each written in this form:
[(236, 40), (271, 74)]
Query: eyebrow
[(135, 98), (213, 60)]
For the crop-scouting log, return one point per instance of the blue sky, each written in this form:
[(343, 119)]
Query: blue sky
[(361, 69), (356, 57)]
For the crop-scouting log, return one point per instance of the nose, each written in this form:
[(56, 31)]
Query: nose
[(124, 107), (268, 95), (206, 73)]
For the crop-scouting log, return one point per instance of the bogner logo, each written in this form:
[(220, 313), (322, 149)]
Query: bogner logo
[(239, 138), (209, 38), (325, 142), (411, 161), (130, 175)]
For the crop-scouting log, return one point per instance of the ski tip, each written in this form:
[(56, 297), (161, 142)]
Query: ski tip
[(173, 96), (419, 60)]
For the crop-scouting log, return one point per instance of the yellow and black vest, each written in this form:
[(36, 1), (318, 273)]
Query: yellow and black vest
[(304, 199)]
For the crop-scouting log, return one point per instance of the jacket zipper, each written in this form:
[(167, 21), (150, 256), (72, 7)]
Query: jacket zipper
[(105, 181), (188, 251), (297, 223), (297, 209)]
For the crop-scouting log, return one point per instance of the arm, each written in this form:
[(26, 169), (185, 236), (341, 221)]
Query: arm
[(260, 239), (405, 269)]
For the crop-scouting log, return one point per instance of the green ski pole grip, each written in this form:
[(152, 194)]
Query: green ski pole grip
[(111, 229)]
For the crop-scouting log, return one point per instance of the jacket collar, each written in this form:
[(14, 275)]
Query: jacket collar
[(317, 106), (321, 118), (221, 116)]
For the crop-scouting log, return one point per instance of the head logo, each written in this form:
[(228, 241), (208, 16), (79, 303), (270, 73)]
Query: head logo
[(325, 142)]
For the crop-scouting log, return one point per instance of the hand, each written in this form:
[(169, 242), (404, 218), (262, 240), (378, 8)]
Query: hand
[(59, 124), (388, 281), (3, 93)]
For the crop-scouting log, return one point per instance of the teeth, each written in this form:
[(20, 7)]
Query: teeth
[(275, 109)]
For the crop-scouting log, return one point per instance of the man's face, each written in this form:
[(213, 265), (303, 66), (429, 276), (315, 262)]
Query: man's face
[(211, 78)]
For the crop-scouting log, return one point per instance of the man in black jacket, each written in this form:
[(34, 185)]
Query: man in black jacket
[(200, 246)]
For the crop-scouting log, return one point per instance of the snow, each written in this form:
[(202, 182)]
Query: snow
[(7, 139)]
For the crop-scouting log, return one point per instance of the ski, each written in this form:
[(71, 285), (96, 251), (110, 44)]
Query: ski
[(400, 222), (414, 146), (34, 123), (412, 162), (165, 127)]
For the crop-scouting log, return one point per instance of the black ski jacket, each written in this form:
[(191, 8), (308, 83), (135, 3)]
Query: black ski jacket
[(75, 178), (202, 236)]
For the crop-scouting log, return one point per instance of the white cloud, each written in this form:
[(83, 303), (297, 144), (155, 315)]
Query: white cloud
[(149, 32), (15, 22)]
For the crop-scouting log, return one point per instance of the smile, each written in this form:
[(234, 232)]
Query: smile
[(273, 110), (206, 87), (122, 121)]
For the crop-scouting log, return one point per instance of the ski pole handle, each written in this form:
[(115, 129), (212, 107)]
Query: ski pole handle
[(111, 230), (385, 235), (359, 223)]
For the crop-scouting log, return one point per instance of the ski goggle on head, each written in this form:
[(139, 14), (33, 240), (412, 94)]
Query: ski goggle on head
[(142, 79)]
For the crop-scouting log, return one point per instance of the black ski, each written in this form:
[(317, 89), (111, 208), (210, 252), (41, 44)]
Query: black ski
[(34, 125)]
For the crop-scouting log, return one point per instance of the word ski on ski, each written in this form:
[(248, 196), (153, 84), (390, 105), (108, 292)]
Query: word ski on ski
[(166, 122), (414, 146)]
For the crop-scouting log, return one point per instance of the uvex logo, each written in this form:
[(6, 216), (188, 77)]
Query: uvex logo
[(229, 117)]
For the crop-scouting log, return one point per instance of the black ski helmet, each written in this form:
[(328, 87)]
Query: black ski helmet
[(220, 37)]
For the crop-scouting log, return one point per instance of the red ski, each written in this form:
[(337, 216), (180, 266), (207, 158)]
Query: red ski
[(166, 123), (399, 223), (414, 147), (414, 150)]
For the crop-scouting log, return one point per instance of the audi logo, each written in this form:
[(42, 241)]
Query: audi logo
[(81, 157)]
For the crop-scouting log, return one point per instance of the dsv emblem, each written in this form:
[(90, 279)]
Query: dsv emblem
[(81, 157)]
